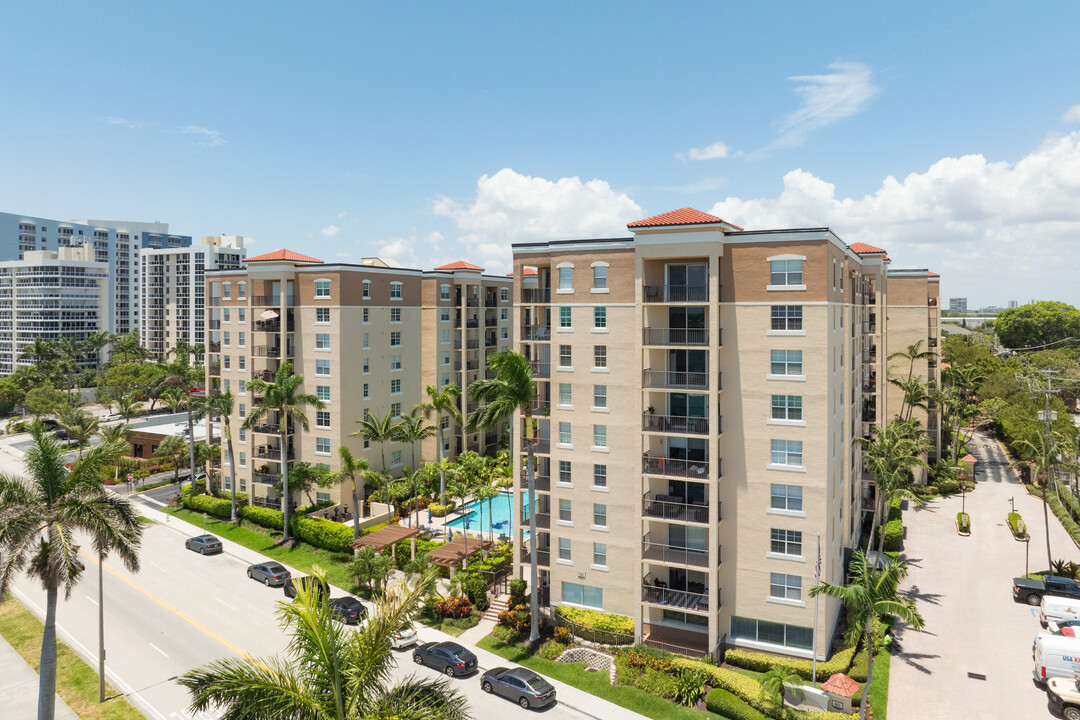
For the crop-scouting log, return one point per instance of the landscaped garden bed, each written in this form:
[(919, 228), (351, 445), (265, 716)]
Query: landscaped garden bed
[(1017, 526), (963, 523)]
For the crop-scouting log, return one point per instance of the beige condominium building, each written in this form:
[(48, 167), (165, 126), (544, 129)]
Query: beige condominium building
[(360, 334), (701, 391), (173, 298)]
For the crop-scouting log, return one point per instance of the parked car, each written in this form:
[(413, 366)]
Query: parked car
[(521, 685), (1032, 591), (111, 417), (306, 581), (1054, 656), (1057, 609), (404, 637), (1059, 627), (204, 544), (1064, 695), (348, 610), (269, 574), (447, 657)]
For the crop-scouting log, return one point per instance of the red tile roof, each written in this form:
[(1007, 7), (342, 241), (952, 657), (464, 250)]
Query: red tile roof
[(527, 272), (969, 458), (841, 684), (864, 249), (460, 265), (286, 255), (934, 274), (682, 216)]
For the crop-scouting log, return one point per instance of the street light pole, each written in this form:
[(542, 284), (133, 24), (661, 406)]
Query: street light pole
[(101, 626)]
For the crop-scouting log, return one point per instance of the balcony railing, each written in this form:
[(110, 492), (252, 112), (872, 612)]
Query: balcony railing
[(540, 445), (536, 333), (676, 379), (214, 368), (869, 357), (272, 326), (675, 336), (272, 429), (542, 408), (676, 293), (540, 369), (543, 482), (679, 599), (271, 351), (268, 478), (264, 375), (672, 554), (543, 557), (269, 300), (272, 453), (675, 424), (671, 507), (536, 295)]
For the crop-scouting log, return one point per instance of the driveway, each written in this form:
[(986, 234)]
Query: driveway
[(962, 587)]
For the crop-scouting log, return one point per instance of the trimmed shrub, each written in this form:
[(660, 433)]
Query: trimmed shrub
[(1016, 524), (208, 504), (454, 607), (840, 662), (263, 517), (438, 510), (562, 635), (519, 592), (894, 511), (600, 627), (506, 635), (861, 666), (308, 509), (894, 535), (948, 487), (636, 659), (516, 617), (469, 621), (963, 521), (476, 589), (727, 705), (324, 534), (658, 683), (551, 650)]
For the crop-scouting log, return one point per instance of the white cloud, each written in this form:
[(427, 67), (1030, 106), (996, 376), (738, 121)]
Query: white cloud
[(413, 251), (826, 99), (710, 152), (996, 231), (206, 136), (1072, 114), (330, 231), (342, 214), (131, 124), (510, 207)]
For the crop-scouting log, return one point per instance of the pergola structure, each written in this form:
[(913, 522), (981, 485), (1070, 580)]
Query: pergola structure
[(453, 553), (388, 537)]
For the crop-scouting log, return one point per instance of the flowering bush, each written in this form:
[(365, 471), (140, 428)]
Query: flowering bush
[(454, 607), (562, 635), (518, 617)]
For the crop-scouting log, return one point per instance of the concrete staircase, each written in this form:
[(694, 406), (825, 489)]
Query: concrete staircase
[(497, 605)]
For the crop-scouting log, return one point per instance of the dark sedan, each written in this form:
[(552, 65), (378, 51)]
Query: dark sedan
[(204, 544), (269, 574), (348, 610), (521, 685), (447, 657), (307, 581)]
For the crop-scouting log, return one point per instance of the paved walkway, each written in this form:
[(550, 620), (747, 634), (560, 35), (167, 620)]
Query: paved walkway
[(962, 587), (19, 688)]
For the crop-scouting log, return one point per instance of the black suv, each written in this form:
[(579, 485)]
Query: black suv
[(307, 581)]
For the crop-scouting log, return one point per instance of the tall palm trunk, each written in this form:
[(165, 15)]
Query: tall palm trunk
[(355, 512), (285, 481), (101, 625), (191, 446), (1046, 521), (534, 573), (442, 470), (47, 676), (232, 462)]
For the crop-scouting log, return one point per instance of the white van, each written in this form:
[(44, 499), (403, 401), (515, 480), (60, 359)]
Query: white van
[(1055, 656), (1054, 609)]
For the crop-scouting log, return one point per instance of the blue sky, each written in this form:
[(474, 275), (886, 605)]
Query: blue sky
[(949, 133)]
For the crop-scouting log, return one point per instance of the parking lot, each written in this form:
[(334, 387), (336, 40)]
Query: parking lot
[(962, 586)]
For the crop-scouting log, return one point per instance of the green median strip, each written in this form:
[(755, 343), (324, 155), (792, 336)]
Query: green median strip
[(76, 682)]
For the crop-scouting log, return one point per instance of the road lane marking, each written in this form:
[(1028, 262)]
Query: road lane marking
[(226, 604), (158, 649), (155, 502), (157, 566), (179, 613)]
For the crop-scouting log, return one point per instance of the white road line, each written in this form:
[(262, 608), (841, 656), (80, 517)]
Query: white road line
[(92, 600), (155, 502), (157, 566), (225, 604), (158, 649)]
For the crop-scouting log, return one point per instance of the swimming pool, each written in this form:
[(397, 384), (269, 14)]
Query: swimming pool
[(498, 521)]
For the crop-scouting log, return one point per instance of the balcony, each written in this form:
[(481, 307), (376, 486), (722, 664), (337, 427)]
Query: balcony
[(543, 557), (870, 356), (267, 300), (269, 428), (264, 375), (536, 295), (675, 336), (675, 424), (270, 452), (675, 293), (673, 555), (214, 368), (472, 302), (540, 369), (271, 351), (535, 333), (540, 445), (678, 599), (671, 507), (491, 322), (543, 482), (541, 408), (931, 302), (272, 326), (675, 640), (665, 379)]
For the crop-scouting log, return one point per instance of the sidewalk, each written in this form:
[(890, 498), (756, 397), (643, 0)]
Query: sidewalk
[(19, 688)]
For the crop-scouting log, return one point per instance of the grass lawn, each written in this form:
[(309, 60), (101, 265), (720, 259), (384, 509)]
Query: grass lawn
[(879, 684), (597, 683), (300, 556), (76, 682)]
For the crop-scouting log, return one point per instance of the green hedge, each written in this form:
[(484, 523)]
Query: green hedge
[(438, 510), (1016, 524), (861, 666), (894, 510), (963, 521), (730, 706), (263, 517), (840, 662), (596, 620), (324, 534), (948, 487), (894, 535), (208, 504)]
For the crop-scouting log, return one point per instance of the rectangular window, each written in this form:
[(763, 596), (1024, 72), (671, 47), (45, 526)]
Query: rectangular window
[(444, 337), (241, 339), (565, 513), (787, 317), (564, 433), (367, 316), (599, 475), (395, 291), (323, 392), (445, 314), (367, 289), (395, 387), (565, 282), (226, 361), (787, 452), (599, 554), (322, 419), (444, 292), (322, 368), (599, 433), (564, 317), (785, 587), (564, 472), (225, 340), (395, 339), (243, 459), (599, 276), (599, 514), (504, 315), (599, 396), (600, 356), (786, 542), (565, 396), (243, 387), (566, 359), (367, 342), (792, 636), (786, 497), (395, 315), (504, 333), (366, 366), (367, 391), (243, 435), (786, 362), (242, 411), (395, 457), (322, 315), (564, 548), (225, 315), (600, 316), (586, 595), (785, 272), (241, 362), (446, 358), (322, 445), (395, 362), (322, 341), (322, 288), (504, 294), (395, 411), (787, 407)]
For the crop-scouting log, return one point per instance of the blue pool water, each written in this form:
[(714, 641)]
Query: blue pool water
[(499, 520)]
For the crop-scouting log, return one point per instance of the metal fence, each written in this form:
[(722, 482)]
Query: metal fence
[(593, 635)]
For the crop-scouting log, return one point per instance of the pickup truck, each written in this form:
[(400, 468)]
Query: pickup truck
[(1032, 591), (1064, 695)]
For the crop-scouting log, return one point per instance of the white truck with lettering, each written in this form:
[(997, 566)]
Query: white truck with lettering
[(1055, 656)]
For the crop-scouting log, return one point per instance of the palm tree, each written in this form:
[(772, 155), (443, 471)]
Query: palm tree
[(378, 430), (371, 568), (329, 672), (172, 449), (486, 492), (381, 487), (40, 351), (460, 488), (93, 344), (911, 353), (80, 426), (350, 467), (118, 436), (890, 455), (129, 347), (222, 406), (1042, 454), (179, 378), (412, 429), (512, 389), (782, 682), (40, 514), (283, 398), (439, 402), (869, 593)]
